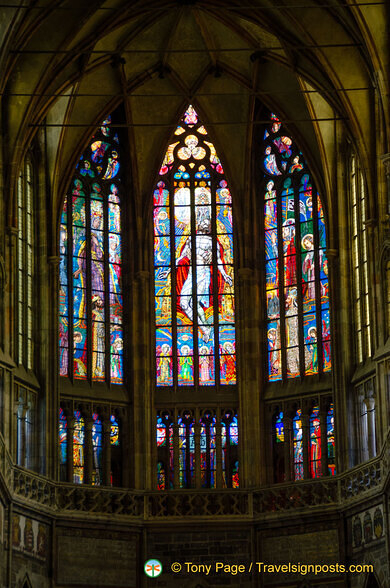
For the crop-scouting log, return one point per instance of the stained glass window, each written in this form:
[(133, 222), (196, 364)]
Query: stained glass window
[(78, 448), (215, 454), (114, 434), (208, 450), (193, 262), (63, 441), (315, 443), (298, 445), (297, 291), (90, 324), (330, 441), (279, 429), (360, 262), (165, 464), (230, 450), (25, 253), (186, 451), (97, 445)]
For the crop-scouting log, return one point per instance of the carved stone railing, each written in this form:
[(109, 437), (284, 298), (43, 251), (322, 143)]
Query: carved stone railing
[(99, 500), (198, 504), (366, 477), (283, 497), (33, 487), (39, 492)]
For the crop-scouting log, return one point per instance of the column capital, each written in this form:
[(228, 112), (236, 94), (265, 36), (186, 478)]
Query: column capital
[(385, 158), (142, 276), (245, 273), (54, 260)]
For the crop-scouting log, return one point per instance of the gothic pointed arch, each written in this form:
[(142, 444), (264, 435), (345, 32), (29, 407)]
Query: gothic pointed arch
[(296, 266), (90, 324), (193, 263)]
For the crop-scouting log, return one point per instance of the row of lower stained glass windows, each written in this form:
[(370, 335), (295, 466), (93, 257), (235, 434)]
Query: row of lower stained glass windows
[(183, 451), (79, 445), (315, 440)]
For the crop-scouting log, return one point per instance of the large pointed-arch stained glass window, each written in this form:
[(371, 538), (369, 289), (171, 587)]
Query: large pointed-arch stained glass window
[(193, 259), (90, 324), (298, 323)]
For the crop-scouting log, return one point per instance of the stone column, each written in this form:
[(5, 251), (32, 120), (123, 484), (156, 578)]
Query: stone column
[(141, 367), (252, 434), (386, 162), (371, 440), (22, 440)]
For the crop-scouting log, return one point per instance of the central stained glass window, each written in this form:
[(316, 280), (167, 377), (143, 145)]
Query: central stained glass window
[(193, 262)]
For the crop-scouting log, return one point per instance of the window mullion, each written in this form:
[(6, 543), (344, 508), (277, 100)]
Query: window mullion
[(69, 255), (172, 233), (194, 283), (317, 285), (88, 290), (298, 261), (282, 307), (106, 291), (217, 354)]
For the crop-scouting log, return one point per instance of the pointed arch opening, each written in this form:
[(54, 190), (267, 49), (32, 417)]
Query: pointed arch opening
[(296, 266), (90, 322), (193, 263)]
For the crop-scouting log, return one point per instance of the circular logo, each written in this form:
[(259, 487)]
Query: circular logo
[(153, 568)]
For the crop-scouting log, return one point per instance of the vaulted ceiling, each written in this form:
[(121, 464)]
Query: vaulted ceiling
[(69, 63)]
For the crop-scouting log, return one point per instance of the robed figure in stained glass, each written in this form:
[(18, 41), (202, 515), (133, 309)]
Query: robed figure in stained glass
[(203, 253), (298, 324)]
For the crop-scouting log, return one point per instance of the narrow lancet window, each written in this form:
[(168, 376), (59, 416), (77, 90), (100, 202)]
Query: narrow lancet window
[(296, 267), (90, 324)]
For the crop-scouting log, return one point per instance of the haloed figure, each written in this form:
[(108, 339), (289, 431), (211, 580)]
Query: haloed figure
[(203, 252)]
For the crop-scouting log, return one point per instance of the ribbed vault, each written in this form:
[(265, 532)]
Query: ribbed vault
[(70, 63)]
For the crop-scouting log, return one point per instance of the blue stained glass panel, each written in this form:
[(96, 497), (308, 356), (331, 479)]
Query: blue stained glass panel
[(271, 244), (114, 433), (161, 219), (63, 437), (114, 246), (224, 219), (279, 428), (114, 218)]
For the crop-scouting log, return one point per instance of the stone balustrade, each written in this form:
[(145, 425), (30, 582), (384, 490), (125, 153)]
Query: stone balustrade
[(31, 489)]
